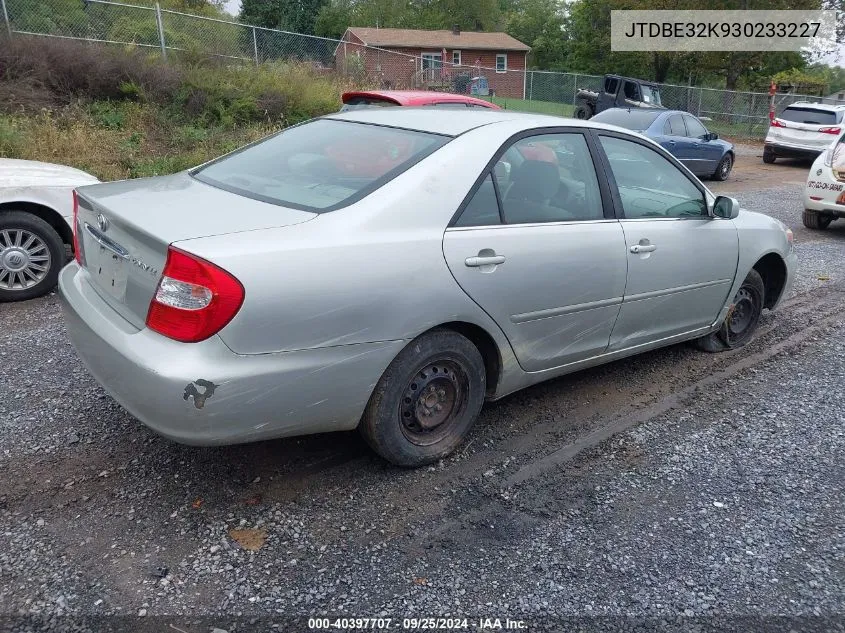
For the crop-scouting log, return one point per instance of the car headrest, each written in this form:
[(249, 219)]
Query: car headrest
[(535, 180)]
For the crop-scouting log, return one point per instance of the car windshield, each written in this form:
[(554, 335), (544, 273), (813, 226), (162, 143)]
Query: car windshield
[(632, 119), (651, 95), (812, 116), (321, 165)]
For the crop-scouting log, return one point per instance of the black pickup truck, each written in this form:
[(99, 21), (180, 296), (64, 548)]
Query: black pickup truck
[(617, 92)]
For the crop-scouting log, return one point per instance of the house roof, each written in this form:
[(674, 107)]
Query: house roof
[(412, 38)]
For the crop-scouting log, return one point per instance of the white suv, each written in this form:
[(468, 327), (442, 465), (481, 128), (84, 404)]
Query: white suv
[(824, 195), (803, 130)]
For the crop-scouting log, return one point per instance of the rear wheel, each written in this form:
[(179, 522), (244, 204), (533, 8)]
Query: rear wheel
[(723, 170), (31, 255), (769, 155), (742, 319), (583, 111), (427, 400), (816, 220)]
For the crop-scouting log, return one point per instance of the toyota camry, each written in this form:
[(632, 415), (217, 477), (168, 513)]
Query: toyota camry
[(391, 269)]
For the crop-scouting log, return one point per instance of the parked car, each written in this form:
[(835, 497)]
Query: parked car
[(617, 92), (824, 194), (282, 290), (803, 130), (684, 135), (376, 98), (35, 211)]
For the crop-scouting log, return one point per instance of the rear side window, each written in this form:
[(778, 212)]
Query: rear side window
[(321, 165), (483, 208), (675, 126), (811, 116)]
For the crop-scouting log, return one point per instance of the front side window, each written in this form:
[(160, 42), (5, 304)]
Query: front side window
[(501, 63), (321, 165), (632, 91), (610, 85), (649, 185), (694, 127)]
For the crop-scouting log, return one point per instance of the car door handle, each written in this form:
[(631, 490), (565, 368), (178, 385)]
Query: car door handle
[(489, 260), (643, 248)]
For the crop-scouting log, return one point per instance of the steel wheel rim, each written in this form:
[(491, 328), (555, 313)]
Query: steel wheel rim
[(433, 402), (24, 259), (742, 315)]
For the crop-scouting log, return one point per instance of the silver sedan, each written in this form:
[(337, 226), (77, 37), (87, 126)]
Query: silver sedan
[(392, 269)]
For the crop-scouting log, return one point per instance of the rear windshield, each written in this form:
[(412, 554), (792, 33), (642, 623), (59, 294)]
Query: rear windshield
[(631, 119), (355, 103), (321, 165), (811, 116)]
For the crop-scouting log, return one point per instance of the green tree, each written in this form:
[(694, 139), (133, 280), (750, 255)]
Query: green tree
[(298, 16), (540, 24)]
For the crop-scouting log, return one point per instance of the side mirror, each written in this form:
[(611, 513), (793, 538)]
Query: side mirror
[(713, 136), (725, 207)]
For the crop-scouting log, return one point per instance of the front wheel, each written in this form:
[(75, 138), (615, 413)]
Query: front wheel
[(427, 400), (816, 220), (724, 168), (742, 318), (31, 255)]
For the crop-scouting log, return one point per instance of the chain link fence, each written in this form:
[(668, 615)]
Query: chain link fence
[(166, 32)]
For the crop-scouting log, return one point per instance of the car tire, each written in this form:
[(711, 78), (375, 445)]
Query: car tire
[(742, 320), (816, 220), (427, 400), (769, 155), (28, 244), (583, 112), (723, 170)]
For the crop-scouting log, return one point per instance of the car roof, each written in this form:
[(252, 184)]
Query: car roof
[(416, 97), (818, 106), (425, 119)]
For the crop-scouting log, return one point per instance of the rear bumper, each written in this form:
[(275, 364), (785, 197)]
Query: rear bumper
[(782, 148), (203, 393)]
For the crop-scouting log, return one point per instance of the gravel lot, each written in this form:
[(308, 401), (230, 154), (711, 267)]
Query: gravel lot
[(684, 488)]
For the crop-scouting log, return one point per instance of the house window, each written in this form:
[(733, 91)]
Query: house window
[(456, 58), (501, 63)]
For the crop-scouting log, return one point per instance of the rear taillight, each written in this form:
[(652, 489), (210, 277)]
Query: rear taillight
[(830, 130), (777, 123), (194, 300), (77, 252)]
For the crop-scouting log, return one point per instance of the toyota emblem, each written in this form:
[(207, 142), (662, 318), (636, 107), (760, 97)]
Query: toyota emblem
[(102, 222), (819, 172)]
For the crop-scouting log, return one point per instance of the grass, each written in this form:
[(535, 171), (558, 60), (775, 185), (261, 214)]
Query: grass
[(120, 113), (538, 107)]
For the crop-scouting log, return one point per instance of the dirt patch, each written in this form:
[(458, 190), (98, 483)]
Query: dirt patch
[(750, 173)]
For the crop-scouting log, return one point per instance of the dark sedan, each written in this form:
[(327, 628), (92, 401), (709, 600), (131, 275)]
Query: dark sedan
[(682, 134)]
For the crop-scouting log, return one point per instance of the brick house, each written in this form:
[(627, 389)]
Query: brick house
[(435, 60)]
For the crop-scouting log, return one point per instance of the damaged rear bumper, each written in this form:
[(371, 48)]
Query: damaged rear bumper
[(203, 393)]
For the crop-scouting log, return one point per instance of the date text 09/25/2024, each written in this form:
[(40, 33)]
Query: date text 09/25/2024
[(418, 624)]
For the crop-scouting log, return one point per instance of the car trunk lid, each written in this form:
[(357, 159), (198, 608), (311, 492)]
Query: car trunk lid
[(126, 227)]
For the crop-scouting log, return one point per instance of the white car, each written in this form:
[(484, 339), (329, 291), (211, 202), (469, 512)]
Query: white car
[(36, 209), (803, 130), (824, 195)]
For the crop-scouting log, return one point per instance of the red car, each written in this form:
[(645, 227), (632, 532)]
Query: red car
[(374, 98)]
